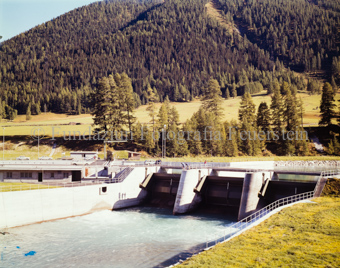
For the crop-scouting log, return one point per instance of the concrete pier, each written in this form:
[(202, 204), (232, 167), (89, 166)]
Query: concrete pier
[(250, 200), (186, 198)]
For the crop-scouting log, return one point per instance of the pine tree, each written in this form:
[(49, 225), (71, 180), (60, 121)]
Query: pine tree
[(327, 105), (263, 117), (231, 142), (28, 112), (334, 146), (125, 87), (290, 109), (151, 97), (277, 109), (234, 91), (162, 116), (114, 104), (212, 100), (100, 104), (247, 109)]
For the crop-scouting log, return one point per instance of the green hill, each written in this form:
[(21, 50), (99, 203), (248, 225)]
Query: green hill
[(174, 46)]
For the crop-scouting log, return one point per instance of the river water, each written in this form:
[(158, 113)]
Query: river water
[(137, 237)]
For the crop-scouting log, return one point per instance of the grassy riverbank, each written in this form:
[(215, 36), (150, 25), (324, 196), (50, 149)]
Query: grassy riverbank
[(304, 235)]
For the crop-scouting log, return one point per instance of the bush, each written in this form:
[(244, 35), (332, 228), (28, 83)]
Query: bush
[(332, 188)]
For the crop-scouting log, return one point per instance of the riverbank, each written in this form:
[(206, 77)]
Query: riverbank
[(304, 235)]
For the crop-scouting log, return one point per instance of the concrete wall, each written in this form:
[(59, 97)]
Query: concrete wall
[(26, 207), (186, 198), (129, 192)]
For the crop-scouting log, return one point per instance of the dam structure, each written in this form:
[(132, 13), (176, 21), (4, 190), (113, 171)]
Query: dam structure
[(78, 188)]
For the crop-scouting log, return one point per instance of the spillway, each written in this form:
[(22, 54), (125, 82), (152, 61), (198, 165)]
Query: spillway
[(161, 189), (220, 194)]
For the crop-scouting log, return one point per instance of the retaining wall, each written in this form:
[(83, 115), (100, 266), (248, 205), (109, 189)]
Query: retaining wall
[(27, 207)]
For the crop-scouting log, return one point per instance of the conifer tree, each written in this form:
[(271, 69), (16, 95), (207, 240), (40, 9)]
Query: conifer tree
[(212, 99), (290, 109), (128, 100), (233, 91), (231, 141), (263, 117), (99, 100), (28, 113), (277, 109), (151, 97), (247, 109), (327, 105)]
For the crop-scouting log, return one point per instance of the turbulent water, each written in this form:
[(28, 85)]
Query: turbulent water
[(139, 237)]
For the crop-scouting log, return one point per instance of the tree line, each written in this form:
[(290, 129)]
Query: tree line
[(271, 128)]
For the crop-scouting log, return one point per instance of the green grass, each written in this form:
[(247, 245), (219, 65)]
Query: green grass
[(304, 235), (10, 187)]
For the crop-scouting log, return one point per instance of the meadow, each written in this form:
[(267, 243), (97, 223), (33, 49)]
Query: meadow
[(73, 123), (20, 131), (304, 235)]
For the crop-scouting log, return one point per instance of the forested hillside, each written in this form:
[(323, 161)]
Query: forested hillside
[(304, 35), (171, 46)]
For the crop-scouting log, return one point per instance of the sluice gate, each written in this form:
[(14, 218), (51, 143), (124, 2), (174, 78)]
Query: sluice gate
[(221, 194), (232, 192), (280, 189), (161, 189)]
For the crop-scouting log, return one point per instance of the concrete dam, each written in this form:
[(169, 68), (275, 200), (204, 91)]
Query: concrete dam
[(237, 189), (234, 191)]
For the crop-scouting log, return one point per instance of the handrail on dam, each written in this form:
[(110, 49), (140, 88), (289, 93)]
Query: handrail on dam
[(329, 173), (244, 223), (122, 175)]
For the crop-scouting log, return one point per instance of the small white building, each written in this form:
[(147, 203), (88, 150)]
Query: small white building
[(40, 171), (84, 155)]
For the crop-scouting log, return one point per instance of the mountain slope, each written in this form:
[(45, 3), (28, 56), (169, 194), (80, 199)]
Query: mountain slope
[(174, 46)]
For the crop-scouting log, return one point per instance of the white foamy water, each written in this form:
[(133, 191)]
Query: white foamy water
[(139, 237)]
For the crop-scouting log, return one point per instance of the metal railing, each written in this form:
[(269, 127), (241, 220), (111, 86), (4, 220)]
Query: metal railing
[(329, 173), (27, 186), (121, 176), (242, 224), (254, 170), (313, 163)]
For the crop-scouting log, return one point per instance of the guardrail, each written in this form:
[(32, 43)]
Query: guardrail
[(122, 175), (329, 173), (242, 224), (35, 186), (313, 163)]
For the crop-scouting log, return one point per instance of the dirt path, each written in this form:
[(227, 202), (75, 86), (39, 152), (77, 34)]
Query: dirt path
[(213, 11)]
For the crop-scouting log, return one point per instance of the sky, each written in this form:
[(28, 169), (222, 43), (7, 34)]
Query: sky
[(18, 16)]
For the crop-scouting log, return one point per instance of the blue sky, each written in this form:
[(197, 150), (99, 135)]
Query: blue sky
[(18, 16)]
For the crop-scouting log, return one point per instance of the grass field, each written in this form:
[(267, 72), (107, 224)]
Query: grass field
[(64, 125), (305, 235), (68, 126)]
